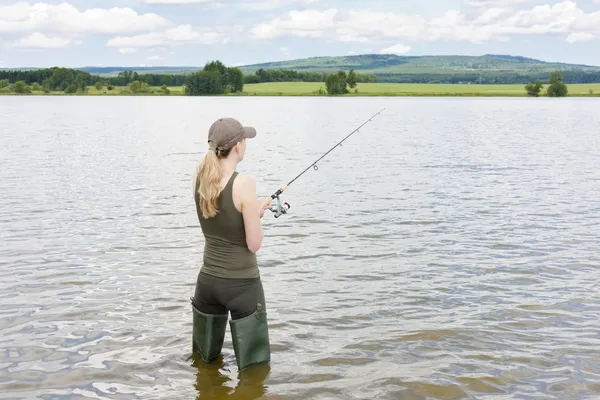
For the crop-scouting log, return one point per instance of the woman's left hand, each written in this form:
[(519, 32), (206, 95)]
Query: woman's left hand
[(262, 209)]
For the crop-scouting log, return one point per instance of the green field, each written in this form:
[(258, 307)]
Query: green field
[(363, 89), (407, 89), (378, 89)]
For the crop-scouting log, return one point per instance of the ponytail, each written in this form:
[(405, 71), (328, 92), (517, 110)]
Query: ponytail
[(209, 189), (209, 173)]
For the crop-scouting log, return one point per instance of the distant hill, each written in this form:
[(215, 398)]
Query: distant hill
[(378, 64), (488, 68), (393, 64)]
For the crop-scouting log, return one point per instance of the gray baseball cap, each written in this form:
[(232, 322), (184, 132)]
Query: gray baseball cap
[(227, 132)]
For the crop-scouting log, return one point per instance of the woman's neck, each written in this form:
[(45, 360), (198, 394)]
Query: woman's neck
[(228, 166)]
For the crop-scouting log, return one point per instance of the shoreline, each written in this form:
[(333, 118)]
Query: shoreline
[(60, 94), (317, 89)]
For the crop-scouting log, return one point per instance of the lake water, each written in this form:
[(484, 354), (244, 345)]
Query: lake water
[(448, 250)]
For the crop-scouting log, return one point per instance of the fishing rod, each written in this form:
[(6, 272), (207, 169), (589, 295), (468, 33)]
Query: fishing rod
[(281, 209)]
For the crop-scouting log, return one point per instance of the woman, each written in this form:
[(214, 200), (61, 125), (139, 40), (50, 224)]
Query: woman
[(229, 280)]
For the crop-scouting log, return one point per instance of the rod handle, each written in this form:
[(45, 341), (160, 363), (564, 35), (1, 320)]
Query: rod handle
[(268, 199)]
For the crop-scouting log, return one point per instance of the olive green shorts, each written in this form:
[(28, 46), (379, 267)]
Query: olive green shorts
[(215, 295)]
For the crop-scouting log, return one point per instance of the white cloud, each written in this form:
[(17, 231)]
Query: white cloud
[(154, 57), (41, 41), (580, 37), (352, 26), (492, 15), (498, 3), (362, 26), (66, 18), (173, 2), (267, 5), (396, 49), (564, 18), (172, 37), (262, 5), (127, 50), (308, 23), (253, 5)]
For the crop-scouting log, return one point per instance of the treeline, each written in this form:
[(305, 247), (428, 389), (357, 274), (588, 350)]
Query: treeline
[(51, 79), (217, 78), (60, 78), (288, 75), (72, 80), (126, 77)]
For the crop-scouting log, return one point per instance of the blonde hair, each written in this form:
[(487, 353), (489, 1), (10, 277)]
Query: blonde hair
[(209, 174)]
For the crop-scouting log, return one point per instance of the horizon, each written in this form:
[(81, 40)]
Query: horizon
[(167, 66), (159, 33)]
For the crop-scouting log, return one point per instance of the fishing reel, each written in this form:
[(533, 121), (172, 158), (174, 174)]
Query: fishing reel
[(279, 209)]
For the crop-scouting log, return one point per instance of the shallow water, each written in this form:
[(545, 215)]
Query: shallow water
[(448, 250)]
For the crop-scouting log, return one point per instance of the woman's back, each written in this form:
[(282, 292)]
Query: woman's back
[(226, 252)]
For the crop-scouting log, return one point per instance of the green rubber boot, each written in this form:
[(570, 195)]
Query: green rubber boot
[(208, 334), (250, 338)]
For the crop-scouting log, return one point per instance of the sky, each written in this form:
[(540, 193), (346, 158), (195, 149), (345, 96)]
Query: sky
[(78, 33)]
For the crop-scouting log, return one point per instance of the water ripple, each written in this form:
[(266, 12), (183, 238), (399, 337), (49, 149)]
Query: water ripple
[(454, 257)]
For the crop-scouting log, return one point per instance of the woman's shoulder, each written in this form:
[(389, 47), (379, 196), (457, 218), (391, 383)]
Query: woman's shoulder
[(244, 189), (244, 186), (245, 181)]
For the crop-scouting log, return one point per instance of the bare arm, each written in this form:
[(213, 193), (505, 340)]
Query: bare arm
[(252, 213)]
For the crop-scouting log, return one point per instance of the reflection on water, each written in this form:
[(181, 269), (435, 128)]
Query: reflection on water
[(449, 250), (213, 383)]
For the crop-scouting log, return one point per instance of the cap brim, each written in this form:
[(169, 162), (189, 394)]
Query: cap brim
[(249, 132)]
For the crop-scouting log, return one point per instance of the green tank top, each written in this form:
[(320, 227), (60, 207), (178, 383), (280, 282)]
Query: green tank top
[(226, 253)]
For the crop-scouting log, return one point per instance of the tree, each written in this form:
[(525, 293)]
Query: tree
[(47, 85), (71, 88), (126, 76), (204, 82), (21, 87), (80, 82), (336, 83), (62, 78), (218, 66), (214, 78), (534, 89), (557, 87), (262, 74), (352, 78), (4, 83), (251, 78), (236, 80), (138, 87), (99, 86)]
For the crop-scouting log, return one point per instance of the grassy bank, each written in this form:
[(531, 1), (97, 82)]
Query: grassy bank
[(363, 89), (408, 89)]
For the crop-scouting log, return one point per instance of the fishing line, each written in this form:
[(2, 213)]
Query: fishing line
[(281, 209)]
